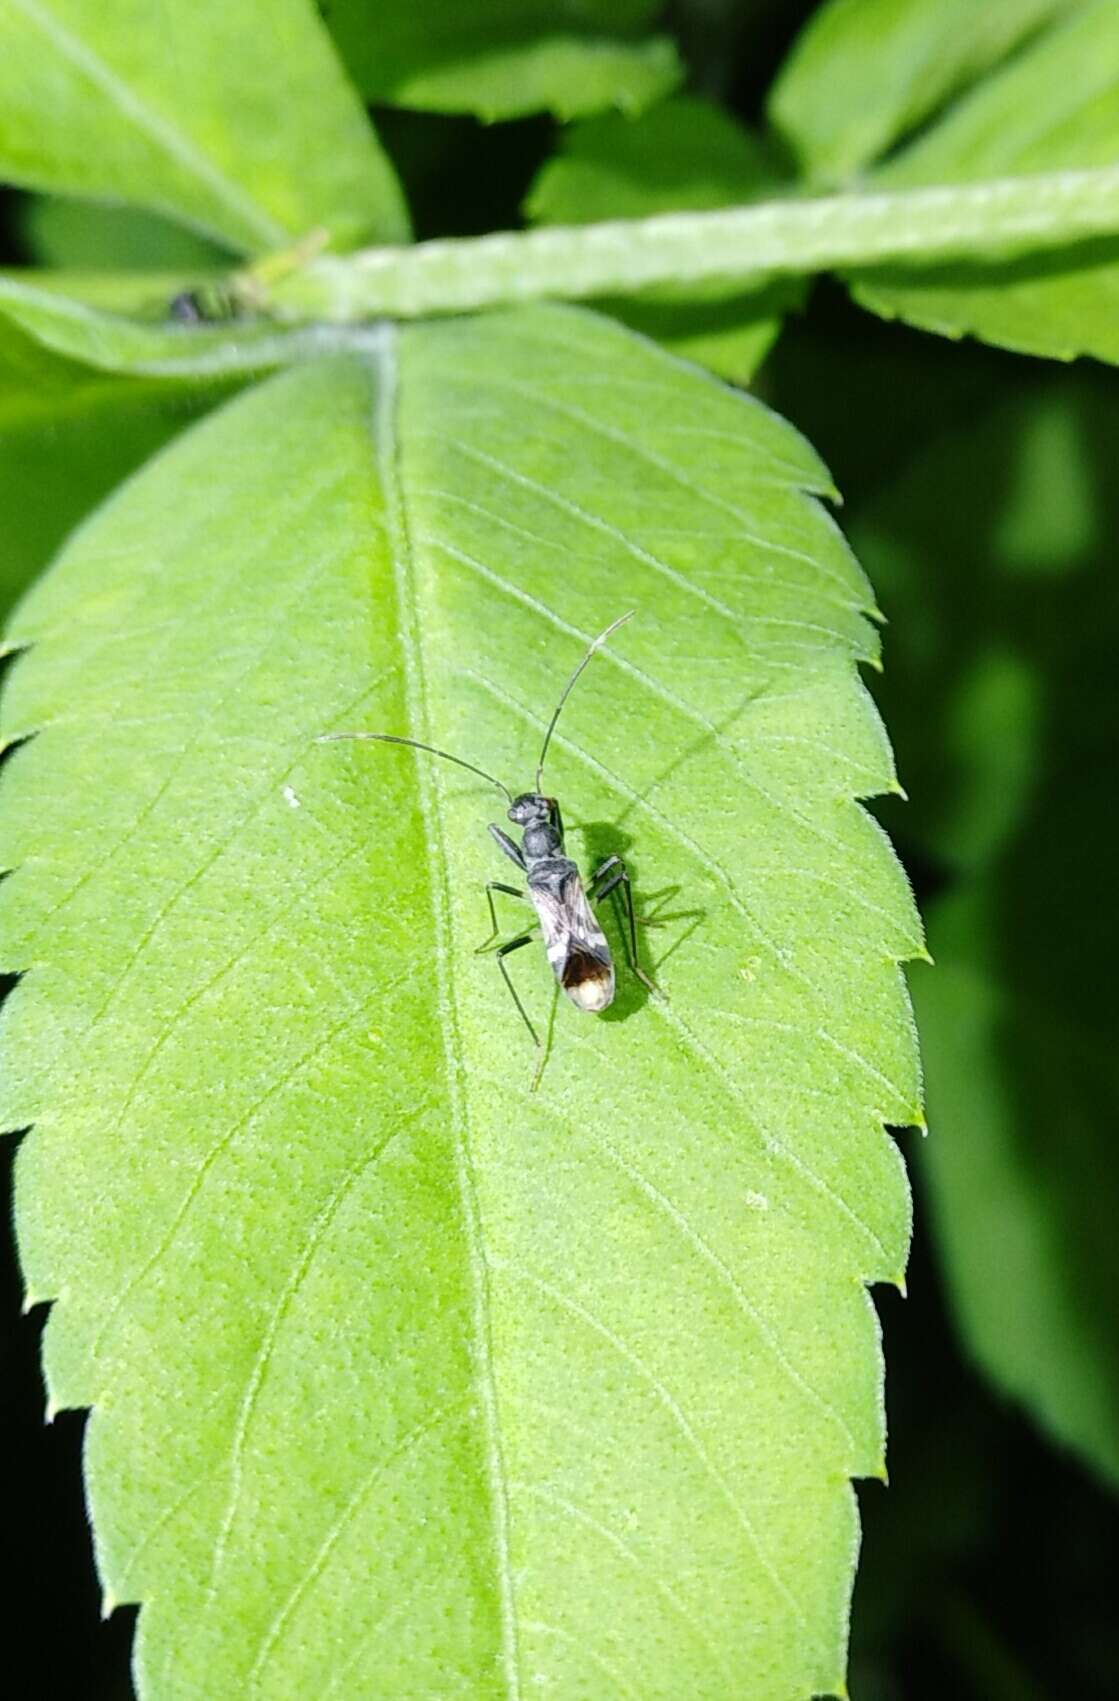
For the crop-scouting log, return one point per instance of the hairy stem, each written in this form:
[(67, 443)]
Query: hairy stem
[(994, 218)]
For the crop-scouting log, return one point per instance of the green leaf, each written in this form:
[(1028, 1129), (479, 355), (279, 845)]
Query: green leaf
[(684, 153), (730, 337), (504, 58), (67, 437), (67, 314), (80, 236), (994, 558), (863, 73), (1023, 1094), (407, 1380), (236, 120), (982, 551), (1056, 106)]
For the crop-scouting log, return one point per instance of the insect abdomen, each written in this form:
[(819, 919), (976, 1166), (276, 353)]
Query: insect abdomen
[(588, 981), (575, 943)]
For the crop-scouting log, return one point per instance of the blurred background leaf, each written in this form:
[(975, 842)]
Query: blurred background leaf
[(179, 109), (1055, 105), (68, 436), (683, 154), (863, 73), (982, 499), (504, 58), (992, 552), (89, 236)]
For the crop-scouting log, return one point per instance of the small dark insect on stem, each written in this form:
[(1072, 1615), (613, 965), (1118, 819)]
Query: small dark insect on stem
[(246, 292)]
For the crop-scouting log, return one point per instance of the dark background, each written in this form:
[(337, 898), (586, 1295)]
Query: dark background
[(989, 1565)]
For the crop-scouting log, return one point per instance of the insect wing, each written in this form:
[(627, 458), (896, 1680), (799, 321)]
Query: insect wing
[(575, 943)]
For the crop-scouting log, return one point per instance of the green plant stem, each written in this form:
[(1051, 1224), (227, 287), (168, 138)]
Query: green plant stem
[(993, 218)]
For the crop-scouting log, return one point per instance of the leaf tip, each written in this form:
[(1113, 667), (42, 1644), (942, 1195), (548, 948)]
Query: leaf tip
[(109, 1604)]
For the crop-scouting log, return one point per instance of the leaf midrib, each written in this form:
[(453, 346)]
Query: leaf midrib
[(385, 374)]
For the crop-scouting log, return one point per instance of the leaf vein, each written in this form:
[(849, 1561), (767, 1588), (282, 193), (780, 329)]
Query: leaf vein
[(707, 1254), (401, 555), (665, 1398), (153, 124), (595, 521), (579, 1516), (259, 1369), (668, 469), (420, 1432)]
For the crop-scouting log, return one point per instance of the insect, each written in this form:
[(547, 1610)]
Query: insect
[(213, 303), (576, 946)]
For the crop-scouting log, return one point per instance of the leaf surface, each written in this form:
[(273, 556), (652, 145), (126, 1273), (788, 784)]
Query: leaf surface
[(235, 119), (863, 73), (505, 58), (684, 154), (400, 1371), (117, 322), (1054, 107)]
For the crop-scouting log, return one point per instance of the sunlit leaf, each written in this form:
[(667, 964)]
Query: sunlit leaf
[(863, 73), (400, 1372), (118, 322), (235, 119), (1056, 105)]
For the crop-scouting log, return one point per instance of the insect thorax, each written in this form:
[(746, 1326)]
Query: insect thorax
[(549, 873)]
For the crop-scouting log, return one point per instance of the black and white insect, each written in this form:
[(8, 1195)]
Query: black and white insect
[(575, 943)]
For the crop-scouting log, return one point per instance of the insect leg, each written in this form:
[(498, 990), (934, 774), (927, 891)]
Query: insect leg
[(512, 851), (557, 819), (602, 869), (493, 886), (613, 876), (502, 952)]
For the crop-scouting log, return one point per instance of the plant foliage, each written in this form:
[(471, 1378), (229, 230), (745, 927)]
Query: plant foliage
[(683, 153), (1057, 104), (407, 1379), (354, 1219), (503, 58), (1013, 517)]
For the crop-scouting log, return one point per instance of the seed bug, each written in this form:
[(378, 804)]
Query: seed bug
[(575, 944)]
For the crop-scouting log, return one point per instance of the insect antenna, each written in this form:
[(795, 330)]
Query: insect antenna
[(566, 692), (414, 744)]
